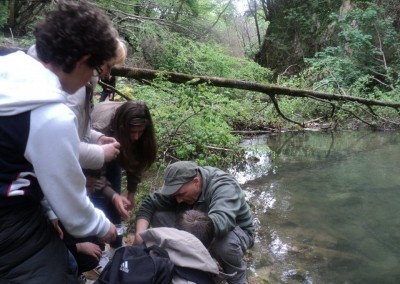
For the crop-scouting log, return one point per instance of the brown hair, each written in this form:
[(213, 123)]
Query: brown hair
[(140, 155), (198, 224), (73, 30)]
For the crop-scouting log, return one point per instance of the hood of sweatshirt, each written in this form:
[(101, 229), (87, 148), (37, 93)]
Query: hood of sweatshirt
[(25, 84)]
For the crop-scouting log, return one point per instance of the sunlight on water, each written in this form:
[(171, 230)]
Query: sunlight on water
[(277, 246), (258, 161), (268, 200)]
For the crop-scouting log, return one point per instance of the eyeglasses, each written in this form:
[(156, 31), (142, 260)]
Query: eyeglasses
[(98, 70)]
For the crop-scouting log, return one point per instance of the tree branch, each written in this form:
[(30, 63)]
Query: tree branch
[(101, 83), (276, 105), (217, 20)]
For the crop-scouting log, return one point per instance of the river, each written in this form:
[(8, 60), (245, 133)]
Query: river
[(326, 206)]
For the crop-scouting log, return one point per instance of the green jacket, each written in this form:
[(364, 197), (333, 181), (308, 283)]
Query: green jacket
[(222, 198)]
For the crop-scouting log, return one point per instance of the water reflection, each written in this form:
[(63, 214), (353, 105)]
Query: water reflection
[(326, 207), (257, 162)]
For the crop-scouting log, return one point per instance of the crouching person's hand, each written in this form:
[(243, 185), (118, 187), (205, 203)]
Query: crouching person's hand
[(141, 226), (138, 239), (89, 248)]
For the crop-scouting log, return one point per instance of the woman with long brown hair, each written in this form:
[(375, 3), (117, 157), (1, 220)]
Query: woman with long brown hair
[(130, 123)]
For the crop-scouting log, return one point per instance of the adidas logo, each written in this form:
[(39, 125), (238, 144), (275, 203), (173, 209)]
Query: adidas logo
[(124, 267)]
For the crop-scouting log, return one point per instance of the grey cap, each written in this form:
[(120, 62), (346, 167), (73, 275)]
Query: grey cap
[(177, 174)]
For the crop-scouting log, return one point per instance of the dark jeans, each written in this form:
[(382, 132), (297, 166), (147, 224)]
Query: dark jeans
[(104, 95), (72, 263), (113, 175)]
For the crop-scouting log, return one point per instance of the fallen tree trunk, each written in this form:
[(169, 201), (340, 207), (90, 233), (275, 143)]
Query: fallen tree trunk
[(147, 74)]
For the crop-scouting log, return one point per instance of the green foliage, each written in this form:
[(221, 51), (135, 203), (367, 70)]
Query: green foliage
[(169, 51), (3, 13), (364, 63), (368, 54)]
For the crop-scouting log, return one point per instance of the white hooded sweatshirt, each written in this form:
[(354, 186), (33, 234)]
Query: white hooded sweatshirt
[(33, 114)]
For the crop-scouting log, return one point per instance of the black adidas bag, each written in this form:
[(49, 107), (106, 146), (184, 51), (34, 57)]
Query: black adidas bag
[(138, 265)]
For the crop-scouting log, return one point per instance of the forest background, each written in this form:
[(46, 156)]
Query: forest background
[(283, 64)]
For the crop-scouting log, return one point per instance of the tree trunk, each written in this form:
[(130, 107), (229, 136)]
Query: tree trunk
[(11, 14)]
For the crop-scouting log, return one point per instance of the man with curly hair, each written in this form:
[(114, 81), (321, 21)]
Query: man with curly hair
[(39, 145)]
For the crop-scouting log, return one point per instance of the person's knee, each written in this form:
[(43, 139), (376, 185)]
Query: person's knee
[(228, 251)]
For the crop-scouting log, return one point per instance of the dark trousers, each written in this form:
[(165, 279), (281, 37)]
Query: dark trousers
[(85, 262), (48, 265), (81, 262), (30, 249), (113, 175)]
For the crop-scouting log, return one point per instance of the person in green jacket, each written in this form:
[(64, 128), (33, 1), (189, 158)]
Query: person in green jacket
[(188, 186)]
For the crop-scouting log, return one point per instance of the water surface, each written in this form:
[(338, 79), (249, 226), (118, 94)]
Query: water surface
[(327, 207)]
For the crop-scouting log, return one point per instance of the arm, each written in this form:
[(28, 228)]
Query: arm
[(141, 226), (103, 139), (89, 248), (93, 156), (52, 149), (52, 217), (224, 201), (94, 137), (121, 203), (80, 105), (152, 203)]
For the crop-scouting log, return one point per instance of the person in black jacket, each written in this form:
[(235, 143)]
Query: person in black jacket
[(107, 92)]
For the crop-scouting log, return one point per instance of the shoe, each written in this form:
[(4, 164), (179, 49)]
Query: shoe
[(102, 263)]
